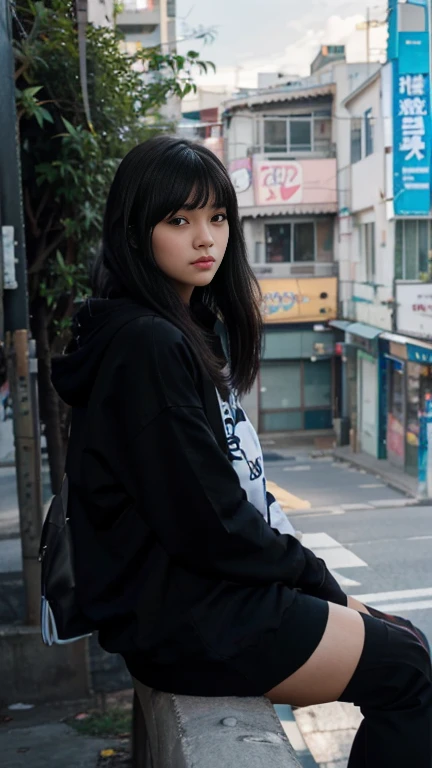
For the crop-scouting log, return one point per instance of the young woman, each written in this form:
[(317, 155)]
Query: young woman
[(183, 559)]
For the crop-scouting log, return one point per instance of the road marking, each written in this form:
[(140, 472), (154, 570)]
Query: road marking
[(335, 555), (355, 507), (344, 581), (386, 503), (418, 538), (420, 605), (401, 594), (286, 499), (300, 468), (372, 485)]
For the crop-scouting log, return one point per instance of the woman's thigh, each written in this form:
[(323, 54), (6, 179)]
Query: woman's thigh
[(328, 671)]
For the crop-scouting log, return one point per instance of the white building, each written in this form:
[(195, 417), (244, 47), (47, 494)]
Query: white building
[(283, 157)]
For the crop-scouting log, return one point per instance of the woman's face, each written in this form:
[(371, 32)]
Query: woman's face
[(189, 247)]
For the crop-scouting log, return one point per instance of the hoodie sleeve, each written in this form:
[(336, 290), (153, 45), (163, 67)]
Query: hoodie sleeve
[(187, 490)]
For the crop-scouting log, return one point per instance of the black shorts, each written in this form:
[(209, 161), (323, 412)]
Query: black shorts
[(254, 671)]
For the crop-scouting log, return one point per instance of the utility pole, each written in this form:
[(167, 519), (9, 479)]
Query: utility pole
[(20, 350), (367, 25)]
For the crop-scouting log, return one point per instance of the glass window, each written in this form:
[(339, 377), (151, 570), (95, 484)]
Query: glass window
[(367, 249), (423, 254), (356, 139), (321, 419), (304, 241), (300, 135), (324, 229), (275, 135), (411, 250), (317, 383), (281, 421), (399, 251), (278, 242), (368, 123), (280, 386)]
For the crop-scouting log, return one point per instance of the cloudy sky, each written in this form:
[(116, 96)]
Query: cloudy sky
[(284, 36)]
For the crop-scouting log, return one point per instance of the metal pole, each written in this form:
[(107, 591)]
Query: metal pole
[(20, 352), (368, 25)]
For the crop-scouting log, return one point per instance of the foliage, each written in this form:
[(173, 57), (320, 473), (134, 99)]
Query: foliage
[(68, 162)]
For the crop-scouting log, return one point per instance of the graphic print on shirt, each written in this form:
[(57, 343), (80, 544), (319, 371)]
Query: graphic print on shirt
[(234, 415), (245, 452)]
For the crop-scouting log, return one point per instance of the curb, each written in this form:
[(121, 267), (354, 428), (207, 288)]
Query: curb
[(289, 724), (378, 472)]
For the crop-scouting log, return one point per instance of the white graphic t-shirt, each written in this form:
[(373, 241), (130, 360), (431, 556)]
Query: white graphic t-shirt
[(246, 455)]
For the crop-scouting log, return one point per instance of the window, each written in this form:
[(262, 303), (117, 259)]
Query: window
[(413, 248), (292, 134), (290, 242), (367, 250), (275, 135), (304, 242), (300, 132), (356, 140), (368, 128)]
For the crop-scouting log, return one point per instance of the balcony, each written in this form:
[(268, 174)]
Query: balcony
[(293, 269), (139, 16), (322, 148)]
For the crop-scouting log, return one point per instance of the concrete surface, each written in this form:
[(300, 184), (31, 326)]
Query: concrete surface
[(394, 477), (49, 746), (187, 731)]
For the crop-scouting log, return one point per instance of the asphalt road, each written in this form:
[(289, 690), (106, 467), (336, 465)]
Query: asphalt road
[(378, 544)]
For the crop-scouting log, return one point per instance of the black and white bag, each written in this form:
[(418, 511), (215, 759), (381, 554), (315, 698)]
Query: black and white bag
[(61, 619)]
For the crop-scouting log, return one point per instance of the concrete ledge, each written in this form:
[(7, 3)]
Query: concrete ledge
[(173, 731), (31, 672)]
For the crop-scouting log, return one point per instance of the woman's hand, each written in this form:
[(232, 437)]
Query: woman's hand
[(356, 605)]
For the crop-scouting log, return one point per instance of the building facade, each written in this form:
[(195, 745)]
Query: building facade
[(280, 148), (384, 230)]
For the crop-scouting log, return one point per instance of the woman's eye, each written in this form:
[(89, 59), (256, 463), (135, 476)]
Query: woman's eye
[(177, 221), (221, 217)]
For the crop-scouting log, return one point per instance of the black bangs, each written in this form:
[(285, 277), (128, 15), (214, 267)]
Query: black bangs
[(187, 179)]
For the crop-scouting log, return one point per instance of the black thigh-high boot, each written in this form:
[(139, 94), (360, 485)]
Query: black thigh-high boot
[(393, 688)]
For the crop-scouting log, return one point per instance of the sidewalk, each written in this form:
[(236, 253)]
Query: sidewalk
[(393, 476), (47, 736)]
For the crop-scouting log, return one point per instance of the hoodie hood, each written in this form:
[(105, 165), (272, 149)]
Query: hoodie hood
[(94, 326)]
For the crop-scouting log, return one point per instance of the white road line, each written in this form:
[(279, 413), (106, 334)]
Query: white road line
[(344, 581), (300, 468), (385, 503), (335, 555), (401, 594), (372, 485), (418, 538), (420, 605), (355, 507)]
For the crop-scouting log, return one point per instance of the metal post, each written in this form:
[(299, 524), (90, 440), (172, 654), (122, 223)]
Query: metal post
[(21, 359)]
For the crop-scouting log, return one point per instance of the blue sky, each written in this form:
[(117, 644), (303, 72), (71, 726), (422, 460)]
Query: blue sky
[(282, 35)]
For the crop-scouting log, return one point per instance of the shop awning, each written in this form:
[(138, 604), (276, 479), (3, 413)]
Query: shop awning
[(301, 209), (363, 330), (341, 325), (401, 339)]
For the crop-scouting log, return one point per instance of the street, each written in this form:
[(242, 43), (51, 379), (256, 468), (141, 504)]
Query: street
[(376, 540), (379, 546)]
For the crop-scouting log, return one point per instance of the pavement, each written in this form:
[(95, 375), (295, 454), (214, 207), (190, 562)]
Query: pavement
[(46, 736), (374, 536)]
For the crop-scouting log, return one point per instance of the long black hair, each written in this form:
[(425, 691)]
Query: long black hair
[(155, 179)]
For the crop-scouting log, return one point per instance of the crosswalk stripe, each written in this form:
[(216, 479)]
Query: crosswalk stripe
[(399, 594)]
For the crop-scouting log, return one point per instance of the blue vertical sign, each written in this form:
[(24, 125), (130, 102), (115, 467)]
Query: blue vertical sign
[(412, 134)]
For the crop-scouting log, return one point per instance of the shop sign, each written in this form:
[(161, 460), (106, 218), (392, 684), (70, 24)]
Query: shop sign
[(409, 53), (414, 308), (302, 300), (291, 182), (421, 355), (240, 172)]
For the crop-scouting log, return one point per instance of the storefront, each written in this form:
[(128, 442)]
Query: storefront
[(366, 380), (409, 365), (296, 380)]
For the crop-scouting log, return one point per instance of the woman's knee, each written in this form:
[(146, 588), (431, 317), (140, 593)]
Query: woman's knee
[(394, 670), (328, 671)]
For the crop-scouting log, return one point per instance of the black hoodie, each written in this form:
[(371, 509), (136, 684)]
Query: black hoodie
[(167, 547)]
